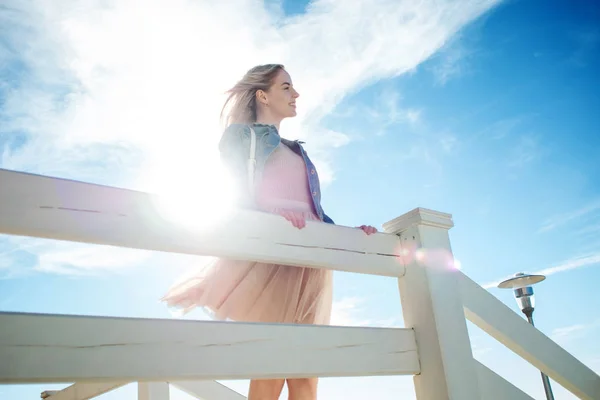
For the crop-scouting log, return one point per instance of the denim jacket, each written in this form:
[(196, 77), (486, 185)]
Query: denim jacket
[(235, 151)]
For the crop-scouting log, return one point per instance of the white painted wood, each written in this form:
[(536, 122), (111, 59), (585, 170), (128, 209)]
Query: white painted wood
[(62, 348), (82, 391), (153, 391), (203, 390), (432, 305), (495, 387), (40, 206), (208, 390), (506, 326)]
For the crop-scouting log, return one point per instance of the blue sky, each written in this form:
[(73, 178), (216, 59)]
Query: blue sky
[(489, 112)]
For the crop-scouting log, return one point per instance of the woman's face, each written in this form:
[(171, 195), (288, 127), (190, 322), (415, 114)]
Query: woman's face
[(281, 96)]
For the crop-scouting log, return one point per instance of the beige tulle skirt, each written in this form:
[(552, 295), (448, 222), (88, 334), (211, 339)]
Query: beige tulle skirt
[(258, 292)]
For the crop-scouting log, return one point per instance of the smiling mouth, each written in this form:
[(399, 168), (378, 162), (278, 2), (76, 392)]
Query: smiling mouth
[(293, 105)]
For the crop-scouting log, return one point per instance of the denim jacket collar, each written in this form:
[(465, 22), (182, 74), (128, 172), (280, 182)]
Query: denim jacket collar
[(235, 145)]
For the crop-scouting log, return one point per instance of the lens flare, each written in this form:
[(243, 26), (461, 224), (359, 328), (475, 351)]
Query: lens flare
[(456, 264)]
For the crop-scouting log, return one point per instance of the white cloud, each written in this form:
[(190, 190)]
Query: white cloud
[(153, 76), (113, 91), (560, 333), (452, 61), (527, 149), (21, 256), (571, 216), (451, 64), (448, 142), (480, 351), (481, 343), (567, 265), (350, 311), (387, 111), (346, 312), (573, 263), (571, 333), (66, 258), (502, 128), (88, 259)]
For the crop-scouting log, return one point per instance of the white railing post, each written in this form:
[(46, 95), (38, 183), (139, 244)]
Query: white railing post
[(432, 306)]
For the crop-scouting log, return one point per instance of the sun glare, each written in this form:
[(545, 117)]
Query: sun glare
[(195, 201)]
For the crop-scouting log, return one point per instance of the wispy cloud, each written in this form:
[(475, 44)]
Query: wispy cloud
[(526, 150), (480, 343), (388, 111), (502, 128), (480, 351), (573, 263), (573, 332), (452, 63), (422, 142), (448, 143), (559, 333), (23, 256), (65, 258), (455, 59), (346, 312), (571, 216), (351, 311), (111, 92), (567, 265), (155, 78)]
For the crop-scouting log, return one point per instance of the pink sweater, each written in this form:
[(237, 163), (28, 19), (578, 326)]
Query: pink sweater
[(284, 182)]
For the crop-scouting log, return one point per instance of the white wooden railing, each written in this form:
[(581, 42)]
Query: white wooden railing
[(104, 353)]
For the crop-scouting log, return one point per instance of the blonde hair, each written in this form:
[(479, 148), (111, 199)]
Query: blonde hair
[(242, 96)]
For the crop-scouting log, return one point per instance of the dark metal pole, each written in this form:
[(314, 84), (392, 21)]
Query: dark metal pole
[(545, 379)]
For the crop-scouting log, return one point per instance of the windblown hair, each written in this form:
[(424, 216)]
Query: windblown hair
[(241, 102)]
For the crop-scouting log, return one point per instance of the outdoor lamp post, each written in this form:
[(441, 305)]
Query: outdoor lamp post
[(521, 283)]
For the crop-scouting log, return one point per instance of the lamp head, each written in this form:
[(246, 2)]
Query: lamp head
[(521, 280), (525, 299), (521, 284)]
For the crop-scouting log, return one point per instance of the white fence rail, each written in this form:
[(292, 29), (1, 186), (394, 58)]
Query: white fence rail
[(205, 390), (416, 250), (83, 390), (64, 348), (40, 206), (499, 321)]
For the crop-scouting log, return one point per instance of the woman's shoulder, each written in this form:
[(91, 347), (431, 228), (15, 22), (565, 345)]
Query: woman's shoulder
[(234, 133), (236, 129)]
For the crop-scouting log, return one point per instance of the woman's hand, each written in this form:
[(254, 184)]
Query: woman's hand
[(368, 229), (297, 220)]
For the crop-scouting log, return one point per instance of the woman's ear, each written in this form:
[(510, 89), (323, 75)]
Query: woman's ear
[(262, 97)]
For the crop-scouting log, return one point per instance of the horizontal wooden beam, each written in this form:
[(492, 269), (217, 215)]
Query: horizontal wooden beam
[(495, 387), (82, 391), (63, 348), (45, 207), (208, 390), (205, 390), (502, 323)]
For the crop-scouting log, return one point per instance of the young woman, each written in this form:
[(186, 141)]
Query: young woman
[(285, 182)]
